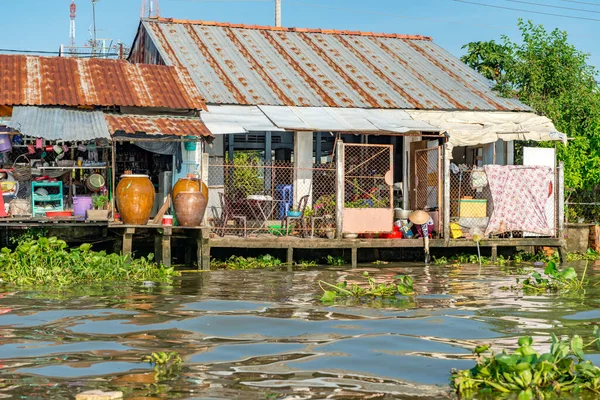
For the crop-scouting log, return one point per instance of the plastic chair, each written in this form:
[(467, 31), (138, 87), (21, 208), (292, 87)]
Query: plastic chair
[(287, 199)]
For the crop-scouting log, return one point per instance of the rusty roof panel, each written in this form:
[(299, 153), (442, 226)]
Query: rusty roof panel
[(257, 65), (160, 125), (61, 81)]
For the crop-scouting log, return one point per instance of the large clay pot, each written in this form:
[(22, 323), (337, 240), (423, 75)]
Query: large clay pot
[(189, 184), (135, 199), (190, 208)]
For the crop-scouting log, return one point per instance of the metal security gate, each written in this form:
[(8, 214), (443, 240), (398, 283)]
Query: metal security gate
[(368, 195)]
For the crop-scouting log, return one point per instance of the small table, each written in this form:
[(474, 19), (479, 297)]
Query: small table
[(259, 205)]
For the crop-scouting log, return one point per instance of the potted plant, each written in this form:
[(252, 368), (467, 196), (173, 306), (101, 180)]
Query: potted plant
[(99, 213)]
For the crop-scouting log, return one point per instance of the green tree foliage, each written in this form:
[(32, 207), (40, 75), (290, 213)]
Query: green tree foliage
[(550, 75)]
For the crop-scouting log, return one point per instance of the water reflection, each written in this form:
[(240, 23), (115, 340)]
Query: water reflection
[(264, 334)]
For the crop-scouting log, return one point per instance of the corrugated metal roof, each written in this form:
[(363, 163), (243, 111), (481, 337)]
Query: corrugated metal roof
[(161, 125), (250, 65), (59, 123), (54, 81)]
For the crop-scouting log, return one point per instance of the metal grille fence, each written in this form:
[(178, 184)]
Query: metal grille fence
[(249, 197), (428, 173), (367, 176), (583, 206)]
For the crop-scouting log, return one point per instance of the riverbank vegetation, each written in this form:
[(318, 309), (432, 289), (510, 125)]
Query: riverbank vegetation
[(530, 374), (49, 261)]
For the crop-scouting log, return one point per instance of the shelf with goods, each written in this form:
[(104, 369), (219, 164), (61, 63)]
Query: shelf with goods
[(50, 199)]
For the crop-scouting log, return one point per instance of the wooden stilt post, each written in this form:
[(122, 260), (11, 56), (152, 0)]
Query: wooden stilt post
[(202, 238), (166, 246), (290, 256), (494, 253), (157, 247), (128, 240), (354, 257)]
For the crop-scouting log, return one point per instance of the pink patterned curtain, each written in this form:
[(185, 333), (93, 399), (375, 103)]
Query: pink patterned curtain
[(519, 194)]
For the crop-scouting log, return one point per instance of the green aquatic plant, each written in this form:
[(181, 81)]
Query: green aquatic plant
[(165, 365), (402, 285), (590, 255), (306, 263), (241, 263), (553, 280), (335, 261), (49, 261), (529, 374)]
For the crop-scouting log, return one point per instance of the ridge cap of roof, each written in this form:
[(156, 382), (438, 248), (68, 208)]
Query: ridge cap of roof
[(286, 29)]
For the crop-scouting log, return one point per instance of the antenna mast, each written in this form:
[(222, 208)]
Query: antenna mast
[(277, 13), (149, 9), (73, 10)]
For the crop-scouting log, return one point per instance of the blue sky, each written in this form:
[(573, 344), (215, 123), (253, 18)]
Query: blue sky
[(44, 24)]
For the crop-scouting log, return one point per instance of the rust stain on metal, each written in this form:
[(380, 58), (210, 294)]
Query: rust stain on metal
[(59, 81), (340, 71), (239, 97), (171, 126), (296, 66), (455, 76), (258, 68), (283, 29), (166, 45), (380, 73), (420, 77)]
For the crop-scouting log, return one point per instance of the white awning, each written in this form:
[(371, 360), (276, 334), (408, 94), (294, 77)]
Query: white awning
[(470, 128), (236, 119), (330, 119)]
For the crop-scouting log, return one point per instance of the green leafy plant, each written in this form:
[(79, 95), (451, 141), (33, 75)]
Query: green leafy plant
[(165, 365), (554, 279), (307, 263), (29, 234), (335, 261), (247, 173), (590, 254), (402, 285), (49, 261), (241, 263), (99, 202), (528, 373)]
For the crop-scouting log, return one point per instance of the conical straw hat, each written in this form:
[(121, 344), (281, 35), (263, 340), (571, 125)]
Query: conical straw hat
[(419, 217)]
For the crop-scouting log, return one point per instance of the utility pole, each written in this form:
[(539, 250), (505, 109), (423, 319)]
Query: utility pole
[(94, 44), (277, 13), (73, 11)]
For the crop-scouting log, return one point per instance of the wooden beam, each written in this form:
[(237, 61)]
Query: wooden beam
[(318, 243), (354, 257), (446, 202), (166, 246)]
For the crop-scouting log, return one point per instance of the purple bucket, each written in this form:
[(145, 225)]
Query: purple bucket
[(5, 144), (81, 204)]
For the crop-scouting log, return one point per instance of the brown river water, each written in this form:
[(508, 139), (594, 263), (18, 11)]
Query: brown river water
[(264, 334)]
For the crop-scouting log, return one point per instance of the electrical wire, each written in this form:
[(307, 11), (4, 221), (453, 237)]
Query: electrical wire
[(582, 2), (551, 6), (528, 11)]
